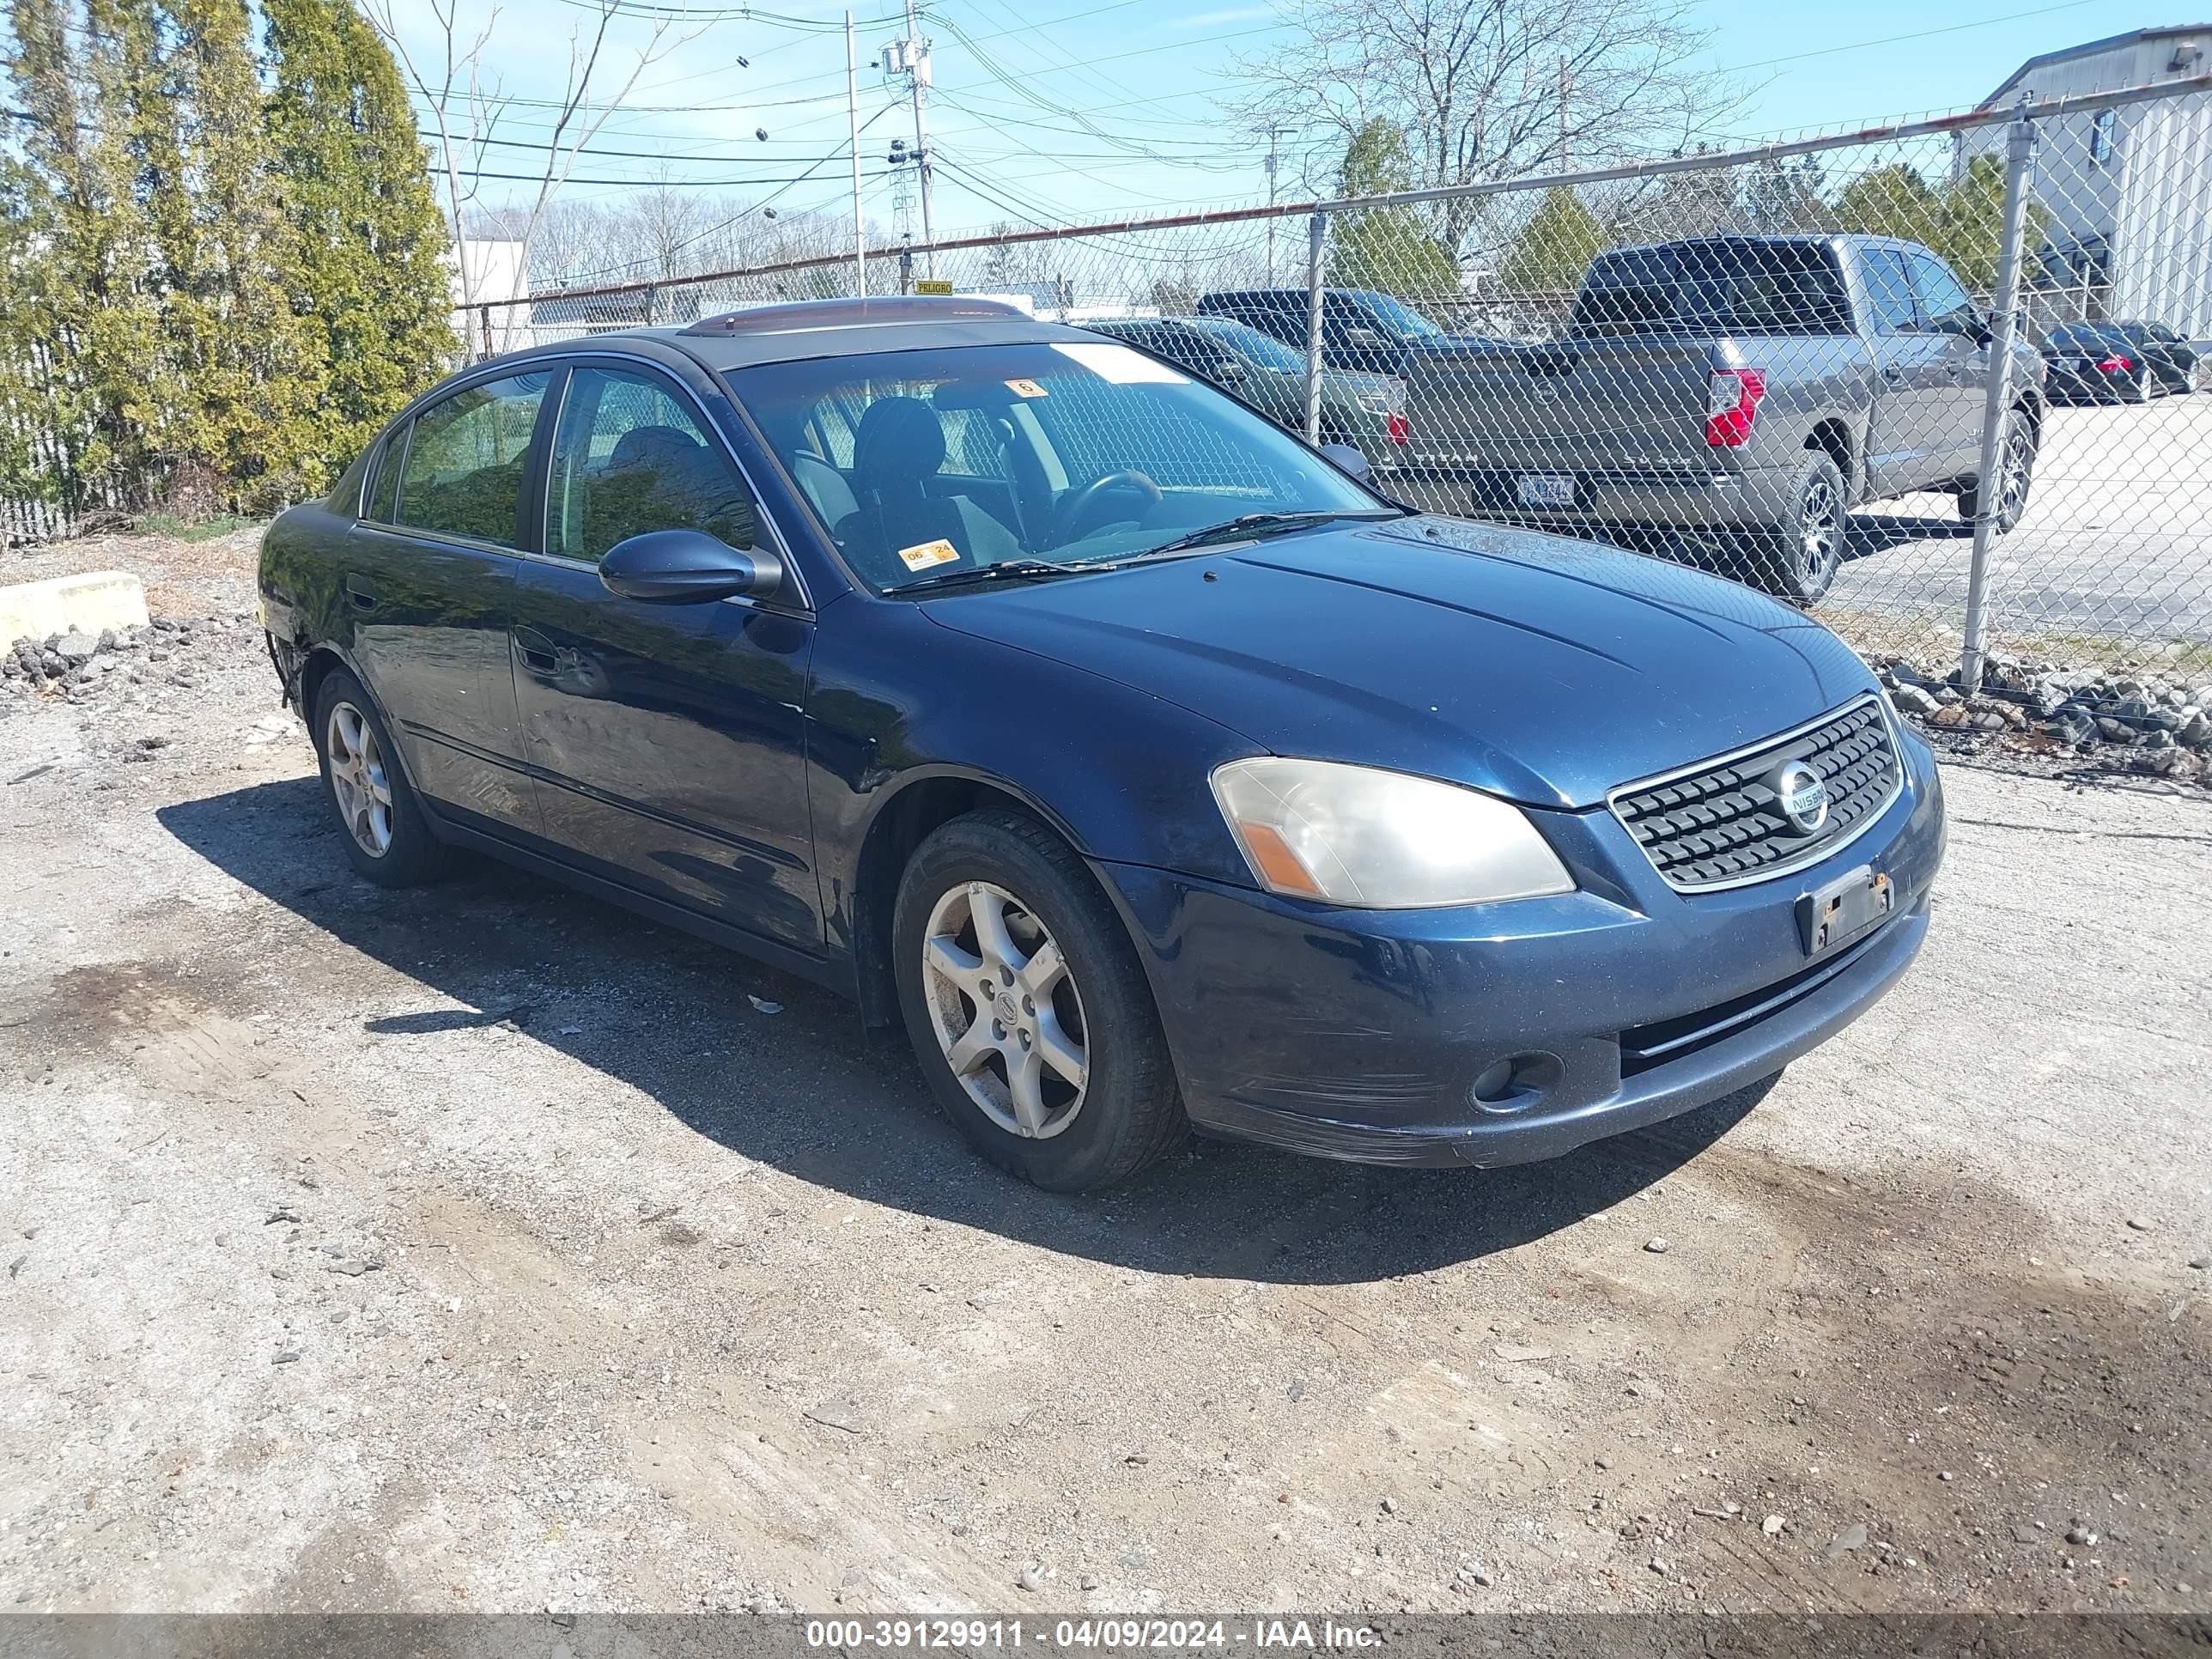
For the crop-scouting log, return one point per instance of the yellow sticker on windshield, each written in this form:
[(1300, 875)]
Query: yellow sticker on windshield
[(925, 554), (1025, 388)]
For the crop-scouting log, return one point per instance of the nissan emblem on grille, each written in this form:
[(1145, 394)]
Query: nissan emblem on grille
[(1792, 801), (1803, 796)]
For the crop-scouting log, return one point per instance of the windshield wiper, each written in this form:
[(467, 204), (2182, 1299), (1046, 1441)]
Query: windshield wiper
[(1005, 570), (1260, 524)]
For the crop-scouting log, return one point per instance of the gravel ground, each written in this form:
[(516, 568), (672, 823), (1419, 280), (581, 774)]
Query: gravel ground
[(482, 1247)]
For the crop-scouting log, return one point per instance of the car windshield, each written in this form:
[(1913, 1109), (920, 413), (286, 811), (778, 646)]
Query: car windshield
[(1248, 343), (921, 465), (2085, 337)]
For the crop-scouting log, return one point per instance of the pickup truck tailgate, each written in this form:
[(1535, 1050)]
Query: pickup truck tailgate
[(1571, 405)]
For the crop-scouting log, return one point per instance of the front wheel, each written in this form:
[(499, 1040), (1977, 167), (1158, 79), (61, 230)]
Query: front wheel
[(1027, 1007), (1799, 563)]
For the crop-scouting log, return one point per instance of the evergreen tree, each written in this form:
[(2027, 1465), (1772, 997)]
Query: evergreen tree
[(1891, 201), (81, 319), (252, 380), (1555, 247), (364, 272), (1385, 248)]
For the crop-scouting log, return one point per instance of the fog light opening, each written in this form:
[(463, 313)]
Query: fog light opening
[(1494, 1083), (1514, 1084)]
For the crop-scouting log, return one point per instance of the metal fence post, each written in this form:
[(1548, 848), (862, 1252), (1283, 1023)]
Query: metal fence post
[(1316, 236), (1996, 406)]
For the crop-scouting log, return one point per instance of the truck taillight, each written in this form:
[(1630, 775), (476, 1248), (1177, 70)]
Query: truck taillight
[(1732, 398), (1396, 429)]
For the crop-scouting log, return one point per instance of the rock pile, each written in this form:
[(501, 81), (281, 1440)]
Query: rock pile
[(77, 665), (2160, 724)]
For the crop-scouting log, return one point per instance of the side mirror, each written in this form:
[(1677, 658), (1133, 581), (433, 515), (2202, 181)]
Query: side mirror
[(687, 567), (1362, 336), (1227, 370), (1346, 458)]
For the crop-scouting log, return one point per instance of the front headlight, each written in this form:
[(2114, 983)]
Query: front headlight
[(1380, 841)]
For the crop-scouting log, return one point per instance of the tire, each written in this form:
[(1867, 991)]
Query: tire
[(1072, 1136), (1799, 563), (2143, 388), (2016, 473), (381, 828)]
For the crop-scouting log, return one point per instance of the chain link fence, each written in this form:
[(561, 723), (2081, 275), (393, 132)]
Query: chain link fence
[(1940, 380)]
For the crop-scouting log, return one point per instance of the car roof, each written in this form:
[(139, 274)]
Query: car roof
[(827, 328)]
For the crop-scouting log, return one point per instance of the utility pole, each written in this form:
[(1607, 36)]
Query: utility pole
[(1275, 159), (853, 120), (910, 58)]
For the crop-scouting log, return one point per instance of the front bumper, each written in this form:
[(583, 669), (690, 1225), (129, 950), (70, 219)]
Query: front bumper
[(1360, 1034)]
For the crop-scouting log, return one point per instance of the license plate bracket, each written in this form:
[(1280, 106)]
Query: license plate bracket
[(1846, 908), (1544, 488)]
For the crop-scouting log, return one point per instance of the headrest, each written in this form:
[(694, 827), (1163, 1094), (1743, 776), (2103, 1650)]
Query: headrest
[(899, 442), (652, 446)]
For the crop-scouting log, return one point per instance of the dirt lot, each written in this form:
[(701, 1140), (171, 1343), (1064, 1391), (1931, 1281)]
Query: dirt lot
[(482, 1247)]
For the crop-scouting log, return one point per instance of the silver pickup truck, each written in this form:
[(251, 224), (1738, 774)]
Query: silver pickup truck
[(1744, 390)]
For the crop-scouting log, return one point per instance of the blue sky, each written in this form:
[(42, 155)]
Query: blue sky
[(1058, 110)]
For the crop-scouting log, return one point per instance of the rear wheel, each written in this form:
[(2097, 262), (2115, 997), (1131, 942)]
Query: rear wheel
[(381, 828), (1027, 1007), (1799, 563), (2015, 475)]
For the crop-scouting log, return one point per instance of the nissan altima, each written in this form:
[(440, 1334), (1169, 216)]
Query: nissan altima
[(1150, 770)]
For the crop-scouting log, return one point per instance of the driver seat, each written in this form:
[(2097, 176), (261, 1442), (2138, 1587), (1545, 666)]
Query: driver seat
[(900, 443)]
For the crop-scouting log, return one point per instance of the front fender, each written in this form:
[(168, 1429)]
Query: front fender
[(898, 702)]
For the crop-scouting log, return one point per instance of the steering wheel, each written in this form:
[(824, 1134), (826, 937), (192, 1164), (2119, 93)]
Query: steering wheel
[(1078, 507)]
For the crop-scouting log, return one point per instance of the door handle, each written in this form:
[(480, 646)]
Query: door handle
[(363, 592), (538, 652)]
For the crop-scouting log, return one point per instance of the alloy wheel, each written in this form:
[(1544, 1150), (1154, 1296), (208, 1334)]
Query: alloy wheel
[(358, 779), (2012, 476), (1005, 1010), (1820, 528)]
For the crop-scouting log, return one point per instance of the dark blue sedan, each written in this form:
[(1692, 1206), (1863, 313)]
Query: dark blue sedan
[(1153, 772)]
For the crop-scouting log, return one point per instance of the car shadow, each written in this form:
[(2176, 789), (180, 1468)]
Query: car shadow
[(795, 1084)]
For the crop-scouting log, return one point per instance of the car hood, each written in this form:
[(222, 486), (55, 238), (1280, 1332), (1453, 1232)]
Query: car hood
[(1544, 670)]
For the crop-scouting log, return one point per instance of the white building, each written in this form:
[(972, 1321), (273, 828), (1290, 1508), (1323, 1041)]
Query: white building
[(2127, 190), (485, 312)]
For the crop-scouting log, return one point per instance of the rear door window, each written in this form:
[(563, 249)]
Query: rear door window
[(465, 461)]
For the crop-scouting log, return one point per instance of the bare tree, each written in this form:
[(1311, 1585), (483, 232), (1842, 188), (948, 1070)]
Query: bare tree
[(464, 109), (1485, 89)]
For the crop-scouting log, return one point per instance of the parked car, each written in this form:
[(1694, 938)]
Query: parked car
[(2172, 358), (1152, 772), (1757, 387), (2095, 363), (1361, 330), (1355, 408)]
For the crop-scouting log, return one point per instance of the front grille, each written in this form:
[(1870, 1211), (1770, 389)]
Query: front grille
[(1719, 823)]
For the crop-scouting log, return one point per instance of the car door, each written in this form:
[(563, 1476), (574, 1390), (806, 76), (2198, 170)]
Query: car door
[(1946, 310), (667, 739), (1911, 392), (429, 575)]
